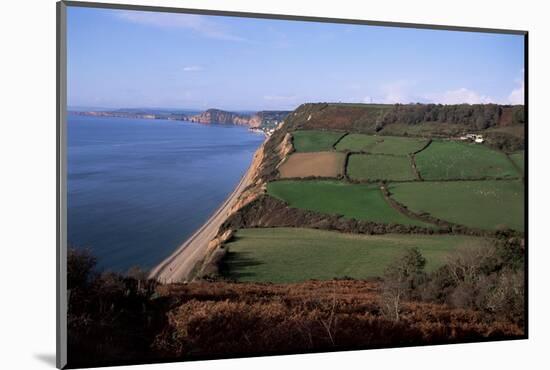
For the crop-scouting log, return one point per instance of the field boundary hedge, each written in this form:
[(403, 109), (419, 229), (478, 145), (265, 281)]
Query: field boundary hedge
[(424, 147), (455, 228), (267, 211), (337, 141), (346, 162), (348, 180), (515, 165), (415, 169)]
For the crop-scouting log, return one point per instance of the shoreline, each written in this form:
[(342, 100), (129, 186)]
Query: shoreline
[(179, 265)]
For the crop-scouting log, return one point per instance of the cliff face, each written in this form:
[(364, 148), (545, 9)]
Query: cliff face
[(220, 116), (256, 120), (267, 119)]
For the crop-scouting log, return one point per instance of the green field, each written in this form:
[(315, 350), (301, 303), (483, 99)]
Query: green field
[(399, 145), (357, 143), (456, 160), (314, 141), (284, 255), (379, 167), (381, 144), (479, 204), (518, 159), (357, 201)]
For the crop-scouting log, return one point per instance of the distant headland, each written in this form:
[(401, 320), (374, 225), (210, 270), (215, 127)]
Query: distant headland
[(263, 120)]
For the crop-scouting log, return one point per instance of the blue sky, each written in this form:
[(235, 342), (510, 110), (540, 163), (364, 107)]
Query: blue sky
[(132, 59)]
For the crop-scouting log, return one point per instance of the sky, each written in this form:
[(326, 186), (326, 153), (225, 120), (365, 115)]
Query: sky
[(136, 59)]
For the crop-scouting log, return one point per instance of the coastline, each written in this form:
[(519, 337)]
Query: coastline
[(179, 266)]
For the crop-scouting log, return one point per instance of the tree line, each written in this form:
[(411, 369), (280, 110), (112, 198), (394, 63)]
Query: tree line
[(480, 116)]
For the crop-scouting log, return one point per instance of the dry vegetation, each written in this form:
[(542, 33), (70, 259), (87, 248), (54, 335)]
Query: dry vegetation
[(223, 319), (321, 164), (113, 319)]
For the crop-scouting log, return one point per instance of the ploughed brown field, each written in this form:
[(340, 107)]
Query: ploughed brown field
[(319, 164)]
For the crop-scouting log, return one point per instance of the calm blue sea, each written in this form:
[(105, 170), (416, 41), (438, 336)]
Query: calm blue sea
[(138, 188)]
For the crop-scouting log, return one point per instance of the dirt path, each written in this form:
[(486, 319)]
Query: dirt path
[(179, 266)]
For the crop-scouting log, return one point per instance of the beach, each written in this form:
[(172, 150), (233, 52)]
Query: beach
[(179, 266)]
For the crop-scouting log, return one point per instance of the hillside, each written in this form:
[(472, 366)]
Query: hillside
[(387, 183), (220, 116), (340, 167), (503, 125), (114, 319), (356, 226)]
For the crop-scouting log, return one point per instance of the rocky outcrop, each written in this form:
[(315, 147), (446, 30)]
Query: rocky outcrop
[(260, 119), (220, 116), (252, 120)]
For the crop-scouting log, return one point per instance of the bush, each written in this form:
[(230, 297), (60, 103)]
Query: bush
[(485, 279), (80, 267), (400, 280)]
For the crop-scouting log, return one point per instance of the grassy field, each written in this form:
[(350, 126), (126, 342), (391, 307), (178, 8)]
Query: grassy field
[(314, 141), (322, 164), (357, 201), (456, 160), (357, 142), (380, 167), (518, 158), (284, 255), (399, 145), (381, 144), (480, 204)]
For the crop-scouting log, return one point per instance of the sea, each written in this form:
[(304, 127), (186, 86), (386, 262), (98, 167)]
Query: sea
[(138, 188)]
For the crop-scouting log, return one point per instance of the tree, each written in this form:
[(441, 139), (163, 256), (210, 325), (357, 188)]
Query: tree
[(400, 279)]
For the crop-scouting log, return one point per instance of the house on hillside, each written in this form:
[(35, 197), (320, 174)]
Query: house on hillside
[(476, 138)]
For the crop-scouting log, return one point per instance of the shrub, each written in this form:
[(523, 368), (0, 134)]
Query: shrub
[(80, 266), (400, 280)]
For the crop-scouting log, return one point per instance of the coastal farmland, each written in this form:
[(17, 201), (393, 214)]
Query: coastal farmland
[(354, 201), (374, 167), (284, 255), (314, 141), (357, 143), (462, 183), (489, 205), (399, 145), (448, 160), (322, 164), (381, 144)]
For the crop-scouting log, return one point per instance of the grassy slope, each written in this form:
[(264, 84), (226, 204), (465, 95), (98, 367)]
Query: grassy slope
[(357, 142), (314, 141), (518, 158), (358, 201), (479, 204), (398, 145), (381, 144), (283, 255), (455, 160), (379, 167)]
